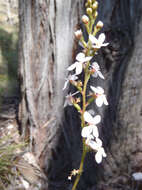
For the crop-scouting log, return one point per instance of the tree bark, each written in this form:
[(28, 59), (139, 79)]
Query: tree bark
[(46, 48), (121, 129)]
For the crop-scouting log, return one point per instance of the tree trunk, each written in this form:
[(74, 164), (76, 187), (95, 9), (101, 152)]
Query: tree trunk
[(46, 48), (122, 119)]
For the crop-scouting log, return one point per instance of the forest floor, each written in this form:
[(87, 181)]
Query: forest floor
[(18, 167)]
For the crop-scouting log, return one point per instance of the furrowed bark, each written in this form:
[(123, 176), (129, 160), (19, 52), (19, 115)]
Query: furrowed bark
[(46, 48)]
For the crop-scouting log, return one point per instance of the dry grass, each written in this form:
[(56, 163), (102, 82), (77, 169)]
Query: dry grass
[(8, 153)]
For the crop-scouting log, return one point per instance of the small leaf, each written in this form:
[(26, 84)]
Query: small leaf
[(77, 107)]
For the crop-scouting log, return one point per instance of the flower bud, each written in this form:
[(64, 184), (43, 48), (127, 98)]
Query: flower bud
[(78, 34), (85, 19), (95, 5), (89, 1), (99, 25), (89, 11), (79, 83), (96, 14), (86, 4)]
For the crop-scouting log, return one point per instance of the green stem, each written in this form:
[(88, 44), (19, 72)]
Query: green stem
[(80, 168), (87, 76)]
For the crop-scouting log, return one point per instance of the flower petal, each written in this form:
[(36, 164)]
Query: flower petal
[(96, 119), (97, 46), (100, 74), (71, 67), (105, 44), (72, 77), (92, 144), (67, 103), (95, 66), (78, 68), (86, 59), (88, 117), (65, 85), (95, 131), (99, 142), (80, 56), (98, 157), (103, 152), (94, 89), (93, 39), (95, 74), (105, 100), (86, 131), (101, 38), (99, 101), (98, 90)]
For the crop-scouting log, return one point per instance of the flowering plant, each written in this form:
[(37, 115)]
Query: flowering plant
[(85, 65)]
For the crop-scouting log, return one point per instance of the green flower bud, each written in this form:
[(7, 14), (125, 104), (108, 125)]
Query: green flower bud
[(89, 1), (89, 11), (96, 14), (86, 4), (95, 5), (79, 83)]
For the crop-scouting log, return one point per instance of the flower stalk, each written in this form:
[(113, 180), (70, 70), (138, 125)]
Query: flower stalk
[(80, 168), (84, 65)]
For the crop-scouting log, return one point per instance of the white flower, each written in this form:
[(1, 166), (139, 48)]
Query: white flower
[(70, 78), (92, 120), (69, 99), (97, 146), (97, 72), (98, 43), (90, 132), (101, 97), (78, 65)]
